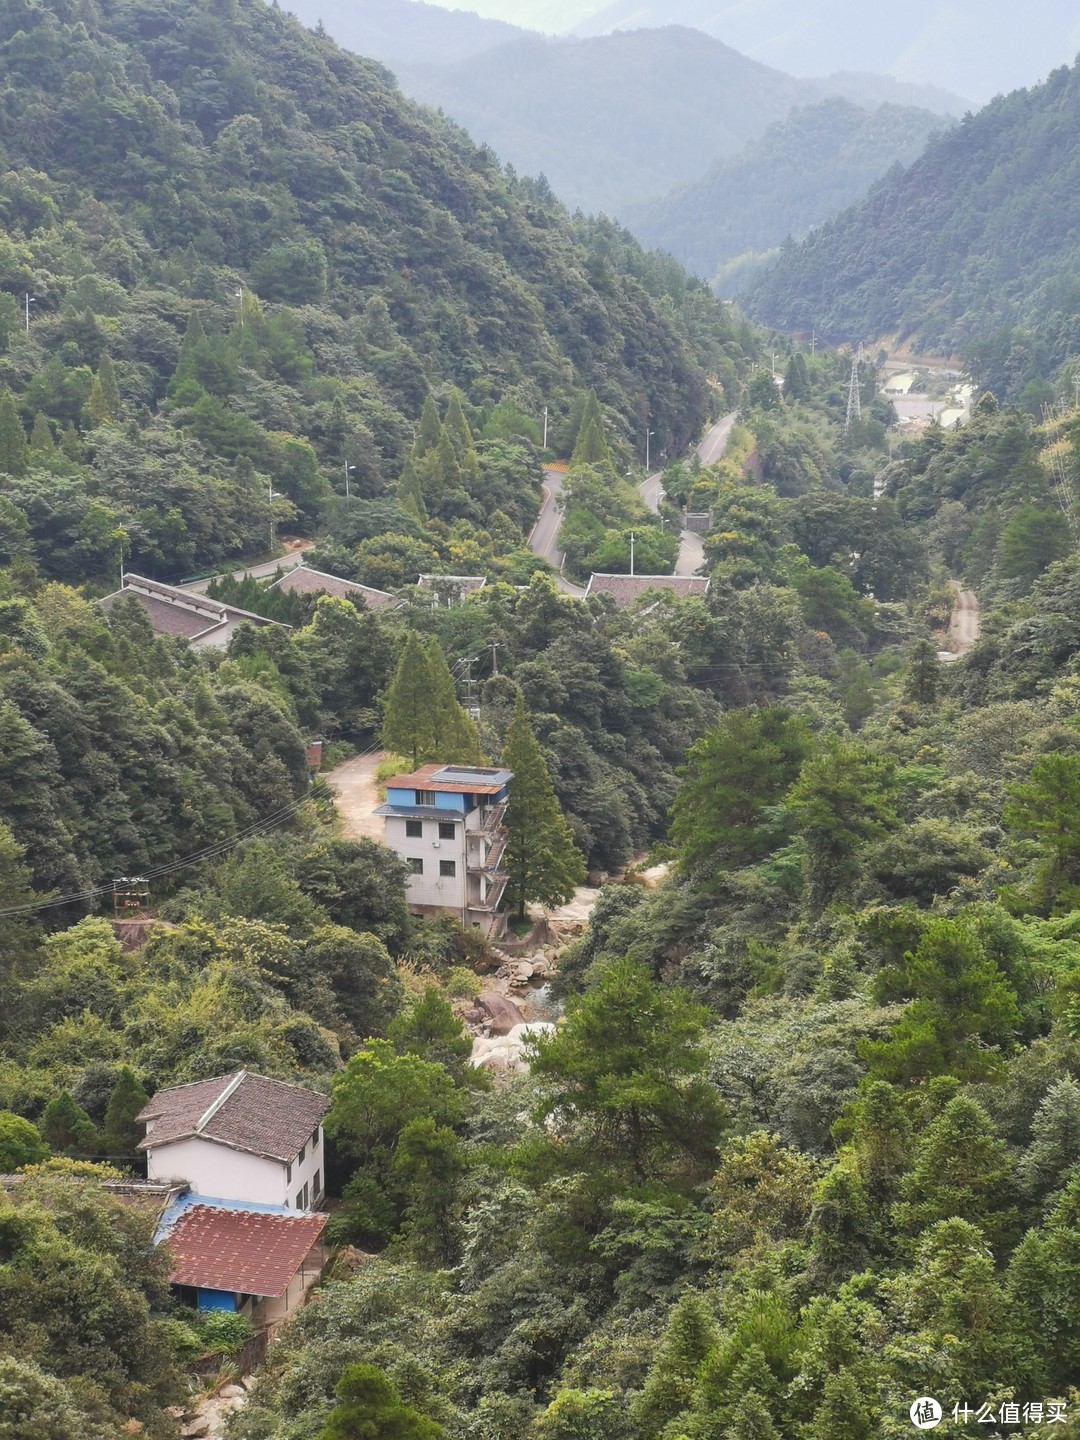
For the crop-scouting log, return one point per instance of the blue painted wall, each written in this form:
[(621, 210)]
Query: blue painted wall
[(216, 1300)]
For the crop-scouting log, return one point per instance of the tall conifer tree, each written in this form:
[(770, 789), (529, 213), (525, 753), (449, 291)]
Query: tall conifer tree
[(541, 857), (407, 723), (12, 436)]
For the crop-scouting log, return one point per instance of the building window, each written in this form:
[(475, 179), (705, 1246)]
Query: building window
[(288, 1174), (314, 1139), (300, 1157), (416, 867), (448, 868), (316, 1186), (447, 830), (414, 829), (300, 1200), (425, 797)]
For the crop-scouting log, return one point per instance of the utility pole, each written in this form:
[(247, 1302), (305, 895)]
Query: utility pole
[(631, 552), (240, 307), (649, 435), (30, 300), (545, 426), (494, 657), (348, 471)]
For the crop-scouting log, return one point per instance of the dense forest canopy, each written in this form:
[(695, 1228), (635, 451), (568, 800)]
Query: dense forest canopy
[(805, 1142), (818, 160), (970, 251)]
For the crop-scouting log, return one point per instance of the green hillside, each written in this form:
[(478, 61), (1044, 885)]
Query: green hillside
[(818, 160), (264, 258), (974, 249)]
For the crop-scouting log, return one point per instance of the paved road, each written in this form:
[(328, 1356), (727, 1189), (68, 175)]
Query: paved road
[(715, 442), (260, 572), (964, 626), (356, 797), (544, 539), (691, 546)]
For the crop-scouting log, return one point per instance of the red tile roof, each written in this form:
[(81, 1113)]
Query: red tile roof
[(245, 1112), (172, 611), (243, 1251), (305, 581)]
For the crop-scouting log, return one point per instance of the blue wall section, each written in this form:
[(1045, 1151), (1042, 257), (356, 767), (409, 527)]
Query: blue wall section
[(216, 1300), (446, 800)]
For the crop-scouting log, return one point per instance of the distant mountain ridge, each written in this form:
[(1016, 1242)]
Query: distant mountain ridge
[(614, 120), (818, 160), (405, 32), (974, 47), (974, 249)]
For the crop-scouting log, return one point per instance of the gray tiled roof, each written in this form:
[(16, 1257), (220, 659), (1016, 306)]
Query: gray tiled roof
[(625, 589), (246, 1112), (304, 580)]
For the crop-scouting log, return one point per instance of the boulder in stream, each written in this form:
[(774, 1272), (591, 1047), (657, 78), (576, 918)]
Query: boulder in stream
[(501, 1012)]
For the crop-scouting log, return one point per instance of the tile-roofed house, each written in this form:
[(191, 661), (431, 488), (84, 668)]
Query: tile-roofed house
[(240, 1252), (625, 589), (303, 580), (240, 1137), (172, 611), (451, 589), (446, 823)]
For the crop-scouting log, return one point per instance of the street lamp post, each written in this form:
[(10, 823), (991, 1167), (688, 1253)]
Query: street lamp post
[(30, 300), (649, 435), (348, 471), (545, 426)]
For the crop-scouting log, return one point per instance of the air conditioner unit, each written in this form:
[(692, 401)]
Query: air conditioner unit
[(436, 844)]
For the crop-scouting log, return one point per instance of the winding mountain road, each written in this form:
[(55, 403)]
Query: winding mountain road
[(544, 538)]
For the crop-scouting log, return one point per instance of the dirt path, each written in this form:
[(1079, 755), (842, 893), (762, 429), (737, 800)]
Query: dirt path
[(356, 797), (964, 625)]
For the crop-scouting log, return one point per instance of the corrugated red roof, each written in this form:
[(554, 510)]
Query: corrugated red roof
[(625, 589), (424, 779), (243, 1251), (262, 1116)]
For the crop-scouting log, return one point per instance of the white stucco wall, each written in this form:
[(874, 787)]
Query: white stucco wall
[(216, 1170), (234, 1175), (430, 888)]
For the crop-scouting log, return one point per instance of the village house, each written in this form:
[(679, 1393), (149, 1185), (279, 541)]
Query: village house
[(625, 589), (446, 823), (303, 580), (253, 1260), (239, 1137), (197, 618)]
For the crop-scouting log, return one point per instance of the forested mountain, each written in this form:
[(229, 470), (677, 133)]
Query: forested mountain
[(818, 160), (615, 120), (264, 275), (404, 32), (806, 1144), (974, 249), (972, 48)]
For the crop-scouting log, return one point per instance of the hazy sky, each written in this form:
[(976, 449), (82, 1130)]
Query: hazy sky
[(550, 15)]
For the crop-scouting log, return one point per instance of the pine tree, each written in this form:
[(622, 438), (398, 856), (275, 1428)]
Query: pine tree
[(407, 718), (411, 491), (543, 862), (923, 678), (369, 1405), (457, 428), (12, 436), (455, 737), (110, 392), (430, 431), (1055, 1140), (66, 1128), (70, 443), (41, 440), (120, 1133), (448, 463)]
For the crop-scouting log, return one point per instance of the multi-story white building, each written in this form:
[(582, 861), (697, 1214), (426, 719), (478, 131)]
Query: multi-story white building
[(446, 823), (239, 1137)]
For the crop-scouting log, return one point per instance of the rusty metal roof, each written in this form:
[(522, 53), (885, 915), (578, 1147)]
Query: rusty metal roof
[(243, 1251)]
